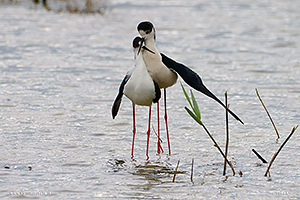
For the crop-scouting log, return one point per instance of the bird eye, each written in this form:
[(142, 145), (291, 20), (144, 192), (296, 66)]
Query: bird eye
[(147, 31)]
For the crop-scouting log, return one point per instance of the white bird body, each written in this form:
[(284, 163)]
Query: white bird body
[(140, 87), (162, 75), (137, 85)]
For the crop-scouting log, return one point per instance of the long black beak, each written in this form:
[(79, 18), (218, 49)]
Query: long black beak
[(144, 47), (142, 42)]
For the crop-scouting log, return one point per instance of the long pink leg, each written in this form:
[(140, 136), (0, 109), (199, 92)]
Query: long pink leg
[(166, 120), (159, 148), (134, 130), (158, 132), (148, 133)]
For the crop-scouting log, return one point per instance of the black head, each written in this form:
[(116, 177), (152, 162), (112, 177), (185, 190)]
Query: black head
[(146, 30), (136, 42), (145, 26)]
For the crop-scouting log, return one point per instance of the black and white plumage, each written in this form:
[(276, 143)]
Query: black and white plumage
[(139, 87), (161, 62), (193, 80), (137, 84)]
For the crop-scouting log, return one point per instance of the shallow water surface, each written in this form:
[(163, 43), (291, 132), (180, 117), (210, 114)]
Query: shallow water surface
[(60, 73)]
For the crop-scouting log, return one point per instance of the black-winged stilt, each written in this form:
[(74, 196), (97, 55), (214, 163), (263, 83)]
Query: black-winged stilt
[(162, 69), (139, 87)]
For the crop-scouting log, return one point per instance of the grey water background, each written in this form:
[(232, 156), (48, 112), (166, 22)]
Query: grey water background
[(60, 73)]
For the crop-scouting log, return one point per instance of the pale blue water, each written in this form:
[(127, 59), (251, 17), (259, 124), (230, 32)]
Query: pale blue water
[(60, 73)]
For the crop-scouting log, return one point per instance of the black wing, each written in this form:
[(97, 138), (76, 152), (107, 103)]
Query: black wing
[(118, 100), (193, 80)]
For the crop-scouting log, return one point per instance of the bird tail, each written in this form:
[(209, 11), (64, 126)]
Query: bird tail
[(206, 91), (118, 100), (116, 106)]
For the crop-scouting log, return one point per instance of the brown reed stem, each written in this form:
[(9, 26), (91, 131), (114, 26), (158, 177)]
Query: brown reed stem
[(229, 163), (175, 172), (192, 171), (267, 113), (156, 134), (158, 138), (276, 153), (227, 134)]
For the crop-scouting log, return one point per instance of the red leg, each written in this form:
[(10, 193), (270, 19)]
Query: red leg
[(148, 133), (166, 120), (159, 148), (134, 130), (158, 132)]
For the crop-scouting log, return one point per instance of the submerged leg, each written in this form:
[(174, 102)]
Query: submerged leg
[(134, 130), (148, 133), (166, 120)]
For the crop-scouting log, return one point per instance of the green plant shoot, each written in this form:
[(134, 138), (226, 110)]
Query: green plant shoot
[(195, 114)]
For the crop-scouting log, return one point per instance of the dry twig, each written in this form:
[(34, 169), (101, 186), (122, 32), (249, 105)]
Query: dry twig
[(276, 153), (227, 134), (175, 172), (192, 171), (267, 113)]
